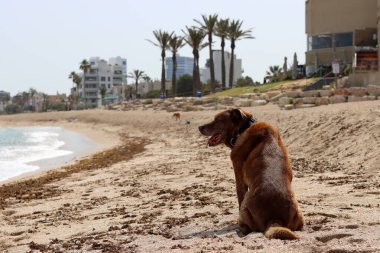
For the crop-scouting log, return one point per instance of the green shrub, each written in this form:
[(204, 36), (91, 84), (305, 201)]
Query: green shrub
[(57, 107), (12, 109), (185, 86), (153, 94)]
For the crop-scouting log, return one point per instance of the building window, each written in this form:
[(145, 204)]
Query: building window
[(90, 86), (109, 79), (90, 78), (320, 42), (343, 39), (91, 94), (103, 78)]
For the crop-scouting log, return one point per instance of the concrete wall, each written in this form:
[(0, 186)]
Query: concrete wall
[(364, 79), (334, 16)]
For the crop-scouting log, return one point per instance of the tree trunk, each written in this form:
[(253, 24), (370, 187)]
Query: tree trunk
[(212, 71), (194, 74), (137, 83), (224, 84), (198, 82), (163, 89), (232, 63), (174, 76)]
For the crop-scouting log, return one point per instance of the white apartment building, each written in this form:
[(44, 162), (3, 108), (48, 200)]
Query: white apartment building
[(109, 74), (217, 57)]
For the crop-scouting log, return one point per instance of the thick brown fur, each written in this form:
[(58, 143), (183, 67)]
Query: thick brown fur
[(177, 116), (263, 175)]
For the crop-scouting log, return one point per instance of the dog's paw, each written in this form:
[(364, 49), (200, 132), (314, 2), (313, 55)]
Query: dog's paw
[(244, 229)]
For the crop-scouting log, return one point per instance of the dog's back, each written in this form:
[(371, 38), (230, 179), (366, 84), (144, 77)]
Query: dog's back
[(266, 170)]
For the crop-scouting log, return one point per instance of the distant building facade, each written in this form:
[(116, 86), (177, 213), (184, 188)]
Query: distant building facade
[(5, 99), (145, 87), (217, 57), (59, 98), (346, 32), (109, 75), (184, 66)]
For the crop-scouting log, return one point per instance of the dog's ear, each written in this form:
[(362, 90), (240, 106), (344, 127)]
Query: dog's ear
[(237, 115)]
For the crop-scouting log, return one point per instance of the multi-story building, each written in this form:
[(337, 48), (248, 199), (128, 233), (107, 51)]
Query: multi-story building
[(145, 87), (59, 98), (102, 75), (346, 32), (217, 57), (184, 66), (5, 98)]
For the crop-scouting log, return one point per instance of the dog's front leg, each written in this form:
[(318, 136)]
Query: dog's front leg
[(241, 188)]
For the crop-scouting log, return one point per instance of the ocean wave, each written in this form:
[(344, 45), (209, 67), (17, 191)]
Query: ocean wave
[(20, 146)]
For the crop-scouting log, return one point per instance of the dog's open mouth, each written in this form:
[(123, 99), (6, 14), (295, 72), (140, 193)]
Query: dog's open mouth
[(215, 139)]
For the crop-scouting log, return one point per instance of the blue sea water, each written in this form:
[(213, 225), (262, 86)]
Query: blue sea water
[(19, 147)]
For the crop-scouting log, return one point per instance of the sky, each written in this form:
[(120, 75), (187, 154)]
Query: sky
[(42, 41)]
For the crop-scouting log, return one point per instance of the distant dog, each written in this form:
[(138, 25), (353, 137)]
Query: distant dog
[(177, 116), (263, 174)]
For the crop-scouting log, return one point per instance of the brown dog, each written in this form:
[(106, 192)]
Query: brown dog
[(177, 116), (263, 174)]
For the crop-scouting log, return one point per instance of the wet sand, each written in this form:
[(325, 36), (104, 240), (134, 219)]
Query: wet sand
[(163, 190)]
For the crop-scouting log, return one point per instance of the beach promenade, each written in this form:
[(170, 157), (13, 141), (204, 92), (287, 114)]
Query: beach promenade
[(154, 186)]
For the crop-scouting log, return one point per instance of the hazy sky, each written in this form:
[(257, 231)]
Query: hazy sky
[(42, 41)]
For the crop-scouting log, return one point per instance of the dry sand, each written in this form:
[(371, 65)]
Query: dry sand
[(163, 190)]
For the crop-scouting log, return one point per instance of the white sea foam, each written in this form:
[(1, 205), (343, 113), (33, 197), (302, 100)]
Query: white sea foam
[(21, 146)]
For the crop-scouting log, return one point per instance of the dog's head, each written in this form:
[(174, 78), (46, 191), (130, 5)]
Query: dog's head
[(225, 126)]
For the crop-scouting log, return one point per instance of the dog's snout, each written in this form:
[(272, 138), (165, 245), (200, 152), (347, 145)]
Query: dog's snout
[(201, 128)]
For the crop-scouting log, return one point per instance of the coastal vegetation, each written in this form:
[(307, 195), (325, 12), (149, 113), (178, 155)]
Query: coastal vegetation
[(137, 75), (209, 26), (194, 38), (162, 42), (175, 43)]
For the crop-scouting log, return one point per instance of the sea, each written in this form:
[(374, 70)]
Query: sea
[(23, 149)]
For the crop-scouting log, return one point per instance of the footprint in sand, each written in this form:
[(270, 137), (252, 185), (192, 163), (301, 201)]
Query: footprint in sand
[(328, 238)]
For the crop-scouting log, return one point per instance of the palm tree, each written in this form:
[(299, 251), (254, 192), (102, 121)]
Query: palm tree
[(175, 43), (221, 31), (137, 75), (77, 80), (235, 33), (194, 38), (274, 72), (85, 66), (102, 92), (162, 38), (45, 102), (25, 98), (208, 26), (32, 93), (146, 78)]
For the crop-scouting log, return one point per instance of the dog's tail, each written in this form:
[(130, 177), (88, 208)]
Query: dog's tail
[(275, 231)]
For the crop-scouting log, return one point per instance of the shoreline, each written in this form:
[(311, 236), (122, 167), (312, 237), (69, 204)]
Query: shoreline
[(73, 135)]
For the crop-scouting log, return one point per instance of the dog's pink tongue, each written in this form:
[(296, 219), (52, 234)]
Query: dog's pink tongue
[(214, 139)]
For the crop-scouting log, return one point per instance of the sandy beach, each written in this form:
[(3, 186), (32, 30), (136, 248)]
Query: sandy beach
[(154, 186)]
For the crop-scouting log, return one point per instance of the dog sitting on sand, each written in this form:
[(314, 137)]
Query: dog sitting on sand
[(262, 171), (177, 116)]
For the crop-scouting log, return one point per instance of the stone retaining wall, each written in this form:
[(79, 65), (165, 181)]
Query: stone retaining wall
[(288, 100), (306, 99)]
